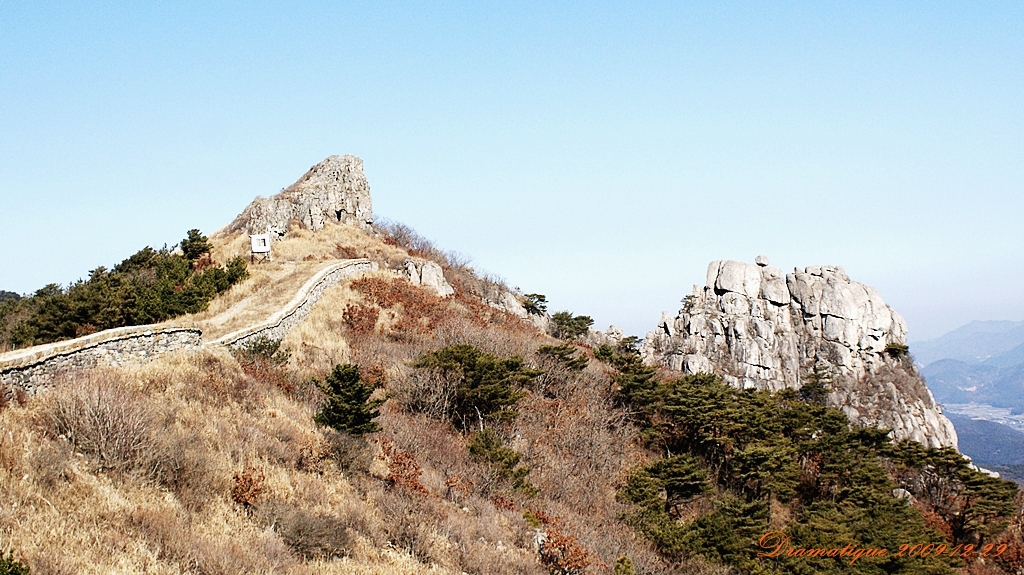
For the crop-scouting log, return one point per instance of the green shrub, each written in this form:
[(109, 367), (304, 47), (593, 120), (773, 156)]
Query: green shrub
[(736, 454), (816, 385), (535, 303), (263, 348), (486, 387), (564, 355), (635, 382), (568, 326), (347, 406), (897, 350), (194, 245), (9, 566), (623, 566)]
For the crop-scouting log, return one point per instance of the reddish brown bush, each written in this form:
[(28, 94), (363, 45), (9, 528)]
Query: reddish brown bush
[(345, 252), (420, 310), (561, 553), (249, 486), (361, 319), (403, 471), (457, 488)]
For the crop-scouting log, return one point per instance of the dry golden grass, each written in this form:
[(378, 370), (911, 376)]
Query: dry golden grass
[(334, 242), (171, 510), (268, 289)]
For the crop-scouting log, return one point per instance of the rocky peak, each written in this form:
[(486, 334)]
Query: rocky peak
[(333, 190), (758, 327)]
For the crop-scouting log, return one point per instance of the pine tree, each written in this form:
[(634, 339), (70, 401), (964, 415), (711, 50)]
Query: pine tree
[(348, 407), (486, 387), (195, 245)]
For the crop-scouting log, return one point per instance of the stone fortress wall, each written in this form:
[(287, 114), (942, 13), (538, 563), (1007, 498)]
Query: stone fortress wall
[(34, 367), (292, 314)]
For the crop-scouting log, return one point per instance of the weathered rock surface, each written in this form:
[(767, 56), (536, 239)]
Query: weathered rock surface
[(611, 336), (333, 190), (757, 327), (428, 274)]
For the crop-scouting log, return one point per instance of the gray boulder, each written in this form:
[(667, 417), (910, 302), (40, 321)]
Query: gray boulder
[(428, 274)]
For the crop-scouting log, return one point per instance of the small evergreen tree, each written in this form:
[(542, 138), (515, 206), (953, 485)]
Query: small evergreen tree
[(624, 566), (535, 303), (486, 387), (816, 385), (348, 406), (564, 355), (485, 446), (897, 350), (195, 245), (569, 326)]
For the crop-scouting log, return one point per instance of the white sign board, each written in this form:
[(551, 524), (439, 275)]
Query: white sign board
[(260, 243)]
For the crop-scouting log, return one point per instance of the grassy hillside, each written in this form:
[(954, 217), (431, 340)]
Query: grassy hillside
[(493, 448)]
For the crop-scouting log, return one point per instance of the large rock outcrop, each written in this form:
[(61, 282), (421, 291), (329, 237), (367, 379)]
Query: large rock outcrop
[(333, 190), (757, 327)]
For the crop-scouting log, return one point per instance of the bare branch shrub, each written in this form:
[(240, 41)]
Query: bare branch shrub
[(102, 417), (426, 391)]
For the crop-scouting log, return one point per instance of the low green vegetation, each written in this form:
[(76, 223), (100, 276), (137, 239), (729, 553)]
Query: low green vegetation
[(9, 566), (741, 464), (564, 355), (486, 447), (897, 350), (535, 303), (148, 287)]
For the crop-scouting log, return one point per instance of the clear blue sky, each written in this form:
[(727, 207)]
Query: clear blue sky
[(601, 154)]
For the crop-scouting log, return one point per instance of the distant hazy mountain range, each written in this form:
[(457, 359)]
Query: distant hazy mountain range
[(992, 445), (981, 362), (997, 343)]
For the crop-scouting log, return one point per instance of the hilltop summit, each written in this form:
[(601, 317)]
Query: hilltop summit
[(335, 189)]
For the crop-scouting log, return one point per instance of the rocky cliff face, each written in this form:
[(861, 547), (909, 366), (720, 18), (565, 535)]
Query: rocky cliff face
[(333, 190), (757, 327)]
